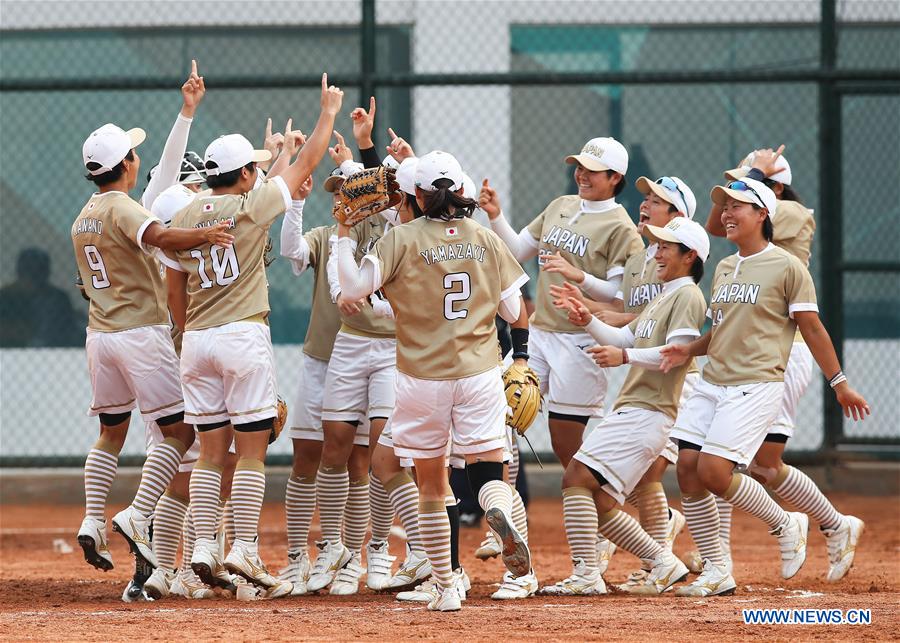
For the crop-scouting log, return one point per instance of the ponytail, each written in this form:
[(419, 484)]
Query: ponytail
[(445, 204)]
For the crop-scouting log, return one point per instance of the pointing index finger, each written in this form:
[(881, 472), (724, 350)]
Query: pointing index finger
[(372, 107), (194, 68), (269, 127), (392, 134), (324, 82)]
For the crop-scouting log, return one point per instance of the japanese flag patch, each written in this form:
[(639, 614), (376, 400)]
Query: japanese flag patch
[(207, 207), (452, 231)]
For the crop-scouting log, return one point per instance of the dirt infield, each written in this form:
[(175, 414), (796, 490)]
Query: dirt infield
[(50, 595)]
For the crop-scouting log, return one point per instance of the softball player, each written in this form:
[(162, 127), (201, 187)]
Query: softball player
[(617, 454), (759, 297), (219, 297), (446, 354), (794, 227), (593, 233), (130, 353)]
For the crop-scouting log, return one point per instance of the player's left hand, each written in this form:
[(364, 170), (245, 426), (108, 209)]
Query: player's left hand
[(218, 235), (606, 356), (673, 356), (565, 291), (305, 188), (853, 403), (556, 263), (764, 160), (192, 92), (349, 307), (340, 152)]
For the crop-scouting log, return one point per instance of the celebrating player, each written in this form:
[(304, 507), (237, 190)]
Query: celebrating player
[(219, 297), (444, 276), (760, 296)]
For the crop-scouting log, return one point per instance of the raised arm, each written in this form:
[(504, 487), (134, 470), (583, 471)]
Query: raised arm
[(169, 169), (355, 281), (160, 236), (294, 246), (317, 143), (522, 245)]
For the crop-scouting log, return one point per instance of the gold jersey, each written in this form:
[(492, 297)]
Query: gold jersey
[(682, 309), (324, 318), (366, 323), (640, 284), (794, 228), (751, 304), (120, 275), (598, 243), (445, 281), (225, 285)]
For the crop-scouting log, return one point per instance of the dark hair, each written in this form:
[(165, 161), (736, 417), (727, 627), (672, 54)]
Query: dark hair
[(226, 179), (696, 267), (445, 204), (787, 192), (108, 177), (768, 229), (620, 185), (413, 205), (673, 209)]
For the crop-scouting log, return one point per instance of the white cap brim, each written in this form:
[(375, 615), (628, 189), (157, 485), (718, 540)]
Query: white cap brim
[(137, 136), (737, 173), (720, 194), (589, 162)]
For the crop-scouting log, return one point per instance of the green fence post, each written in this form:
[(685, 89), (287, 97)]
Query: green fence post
[(367, 52)]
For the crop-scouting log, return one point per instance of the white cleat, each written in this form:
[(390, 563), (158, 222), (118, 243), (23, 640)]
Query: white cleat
[(635, 580), (330, 559), (297, 571), (379, 563), (667, 570), (159, 585), (514, 587), (446, 600), (244, 591), (346, 581), (714, 581), (428, 591), (244, 560), (792, 541), (92, 539), (841, 544), (188, 585), (673, 528), (605, 551), (582, 582), (135, 528), (206, 562), (515, 554), (489, 547), (726, 555), (415, 569)]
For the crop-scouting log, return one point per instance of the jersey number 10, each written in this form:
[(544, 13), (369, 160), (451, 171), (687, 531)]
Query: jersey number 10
[(224, 264)]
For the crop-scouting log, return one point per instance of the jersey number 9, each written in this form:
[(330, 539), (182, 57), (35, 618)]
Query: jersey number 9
[(95, 263)]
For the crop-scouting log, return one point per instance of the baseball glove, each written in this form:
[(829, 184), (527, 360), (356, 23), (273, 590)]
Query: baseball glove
[(523, 395), (280, 419), (366, 193)]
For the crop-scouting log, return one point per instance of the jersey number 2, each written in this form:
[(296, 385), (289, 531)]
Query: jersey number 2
[(461, 278), (95, 263), (224, 264)]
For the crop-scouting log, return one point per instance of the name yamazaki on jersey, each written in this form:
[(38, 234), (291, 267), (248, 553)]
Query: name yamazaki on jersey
[(214, 222), (453, 251)]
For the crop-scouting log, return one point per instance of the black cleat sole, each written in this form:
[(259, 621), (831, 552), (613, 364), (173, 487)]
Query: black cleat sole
[(133, 548), (91, 556), (205, 574)]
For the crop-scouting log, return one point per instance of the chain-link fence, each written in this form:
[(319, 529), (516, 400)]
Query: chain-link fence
[(510, 87)]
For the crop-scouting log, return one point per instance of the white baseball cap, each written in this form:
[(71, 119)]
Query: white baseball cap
[(672, 190), (108, 145), (682, 230), (469, 189), (171, 201), (600, 154), (335, 180), (406, 175), (783, 175), (390, 161), (748, 191), (435, 166), (230, 152)]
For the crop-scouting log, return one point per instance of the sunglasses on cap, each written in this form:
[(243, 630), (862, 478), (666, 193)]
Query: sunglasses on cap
[(672, 186), (740, 186)]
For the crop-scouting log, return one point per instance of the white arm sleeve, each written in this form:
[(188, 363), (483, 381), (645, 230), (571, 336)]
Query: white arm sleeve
[(650, 358), (381, 307), (331, 268), (609, 335), (604, 290), (523, 246), (355, 282), (294, 246), (169, 169), (511, 307)]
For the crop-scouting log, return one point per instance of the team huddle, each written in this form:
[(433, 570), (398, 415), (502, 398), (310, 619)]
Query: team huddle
[(403, 377)]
